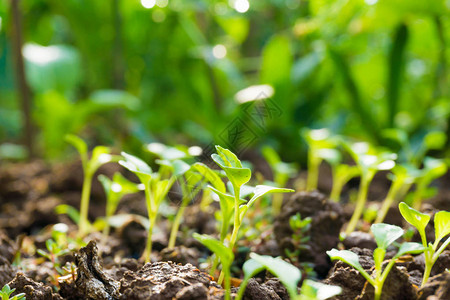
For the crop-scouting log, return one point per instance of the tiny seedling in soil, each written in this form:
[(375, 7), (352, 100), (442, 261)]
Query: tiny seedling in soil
[(100, 155), (385, 235), (281, 173), (300, 228), (233, 204), (402, 178), (115, 190), (6, 292), (318, 140), (288, 275), (156, 189), (441, 227), (225, 254), (341, 173), (369, 162), (433, 168)]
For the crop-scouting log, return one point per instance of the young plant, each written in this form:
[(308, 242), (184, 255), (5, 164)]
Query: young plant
[(225, 254), (288, 275), (341, 173), (317, 140), (156, 189), (385, 235), (300, 227), (233, 204), (441, 227), (53, 254), (100, 155), (402, 178), (432, 169), (6, 291), (281, 173), (369, 162), (238, 176), (115, 189)]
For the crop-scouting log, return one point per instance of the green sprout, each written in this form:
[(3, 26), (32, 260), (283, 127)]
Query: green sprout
[(317, 140), (232, 204), (281, 173), (369, 162), (115, 189), (288, 275), (6, 292), (385, 235), (191, 178), (238, 176), (100, 155), (300, 227), (432, 169), (156, 189), (341, 173), (402, 178), (441, 227), (225, 254)]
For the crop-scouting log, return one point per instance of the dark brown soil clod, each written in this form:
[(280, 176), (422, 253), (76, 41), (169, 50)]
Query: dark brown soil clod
[(327, 220)]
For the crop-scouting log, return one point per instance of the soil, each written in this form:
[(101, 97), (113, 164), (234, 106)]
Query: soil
[(30, 192)]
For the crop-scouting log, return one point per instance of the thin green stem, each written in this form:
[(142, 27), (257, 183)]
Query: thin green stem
[(227, 285), (277, 202), (336, 190), (177, 221), (313, 172), (84, 206), (418, 194), (148, 248), (360, 202)]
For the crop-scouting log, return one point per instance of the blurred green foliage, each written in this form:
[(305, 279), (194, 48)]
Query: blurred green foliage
[(169, 70)]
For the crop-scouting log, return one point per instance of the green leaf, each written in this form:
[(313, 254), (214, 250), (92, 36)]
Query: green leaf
[(137, 166), (178, 166), (435, 140), (386, 234), (414, 217), (229, 159), (318, 291), (441, 224), (224, 253), (80, 145), (288, 274), (276, 60), (413, 248), (261, 190), (351, 259), (71, 211), (332, 156), (210, 175), (115, 98), (346, 256), (166, 152), (434, 168)]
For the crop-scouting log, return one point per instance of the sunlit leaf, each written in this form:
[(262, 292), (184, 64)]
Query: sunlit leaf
[(386, 234)]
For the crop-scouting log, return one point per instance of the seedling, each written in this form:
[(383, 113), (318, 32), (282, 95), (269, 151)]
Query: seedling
[(281, 173), (288, 275), (6, 292), (238, 176), (233, 204), (225, 254), (53, 254), (402, 178), (115, 190), (100, 155), (369, 162), (432, 169), (156, 189), (300, 227), (317, 140), (342, 173), (385, 235), (441, 227)]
